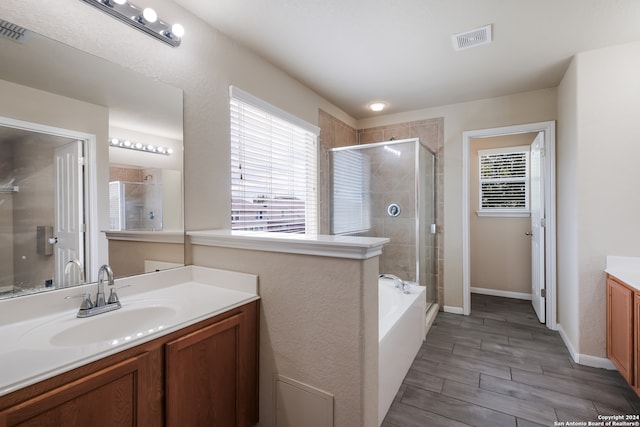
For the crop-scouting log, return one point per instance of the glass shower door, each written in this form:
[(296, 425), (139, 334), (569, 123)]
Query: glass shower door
[(427, 253)]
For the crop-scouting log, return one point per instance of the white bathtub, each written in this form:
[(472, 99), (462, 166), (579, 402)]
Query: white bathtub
[(401, 330)]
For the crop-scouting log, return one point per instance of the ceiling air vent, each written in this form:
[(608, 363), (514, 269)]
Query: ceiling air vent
[(472, 38), (12, 31)]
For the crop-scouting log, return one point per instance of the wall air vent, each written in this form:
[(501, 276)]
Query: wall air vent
[(472, 38), (12, 31)]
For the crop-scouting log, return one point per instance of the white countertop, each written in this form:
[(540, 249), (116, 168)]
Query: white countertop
[(626, 269), (353, 247), (35, 330)]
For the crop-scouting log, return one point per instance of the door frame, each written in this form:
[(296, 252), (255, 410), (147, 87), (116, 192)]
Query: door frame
[(549, 129), (92, 248)]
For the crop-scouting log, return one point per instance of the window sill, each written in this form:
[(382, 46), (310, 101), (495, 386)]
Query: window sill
[(505, 214)]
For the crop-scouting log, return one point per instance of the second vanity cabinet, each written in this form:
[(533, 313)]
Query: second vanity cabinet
[(623, 329), (204, 374)]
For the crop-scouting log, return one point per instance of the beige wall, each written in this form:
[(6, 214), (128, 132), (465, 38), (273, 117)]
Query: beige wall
[(127, 257), (317, 323), (500, 251), (567, 206), (204, 66), (527, 107), (603, 134)]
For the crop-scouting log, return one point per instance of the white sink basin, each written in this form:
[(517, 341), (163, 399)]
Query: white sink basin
[(125, 326), (116, 327), (42, 337)]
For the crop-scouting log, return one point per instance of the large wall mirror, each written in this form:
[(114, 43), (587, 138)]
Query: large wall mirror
[(91, 168)]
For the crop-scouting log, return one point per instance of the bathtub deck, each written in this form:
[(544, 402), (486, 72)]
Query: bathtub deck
[(500, 367)]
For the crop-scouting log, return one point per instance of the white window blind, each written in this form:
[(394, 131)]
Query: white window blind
[(504, 179), (351, 204), (274, 158)]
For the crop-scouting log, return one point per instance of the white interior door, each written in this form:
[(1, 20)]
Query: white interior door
[(537, 233), (69, 211)]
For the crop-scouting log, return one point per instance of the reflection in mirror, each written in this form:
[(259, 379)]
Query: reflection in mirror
[(56, 166)]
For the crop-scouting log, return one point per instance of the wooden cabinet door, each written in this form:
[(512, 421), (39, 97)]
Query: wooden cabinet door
[(636, 352), (107, 398), (620, 327), (206, 376)]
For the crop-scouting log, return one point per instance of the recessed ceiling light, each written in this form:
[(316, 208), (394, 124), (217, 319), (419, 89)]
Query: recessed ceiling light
[(377, 106)]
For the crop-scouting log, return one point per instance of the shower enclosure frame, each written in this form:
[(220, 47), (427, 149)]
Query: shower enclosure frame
[(418, 195)]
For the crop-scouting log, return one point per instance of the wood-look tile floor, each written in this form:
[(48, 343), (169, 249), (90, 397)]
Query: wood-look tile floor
[(501, 367)]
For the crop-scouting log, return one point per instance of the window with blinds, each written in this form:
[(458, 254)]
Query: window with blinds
[(274, 158), (504, 180), (351, 197)]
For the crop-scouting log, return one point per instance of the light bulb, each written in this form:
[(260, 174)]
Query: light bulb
[(138, 145), (127, 143), (114, 141), (120, 1), (170, 150), (177, 30), (149, 15)]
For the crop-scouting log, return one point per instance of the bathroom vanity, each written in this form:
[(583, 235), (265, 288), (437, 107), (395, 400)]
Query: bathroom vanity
[(623, 317), (182, 351)]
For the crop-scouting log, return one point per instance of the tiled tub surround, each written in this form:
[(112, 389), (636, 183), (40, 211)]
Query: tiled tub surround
[(29, 324), (335, 133)]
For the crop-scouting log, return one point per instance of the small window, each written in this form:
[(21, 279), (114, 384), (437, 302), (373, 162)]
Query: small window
[(504, 181), (274, 158)]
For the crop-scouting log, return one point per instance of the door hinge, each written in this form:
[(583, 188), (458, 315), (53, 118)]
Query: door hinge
[(543, 222), (543, 293)]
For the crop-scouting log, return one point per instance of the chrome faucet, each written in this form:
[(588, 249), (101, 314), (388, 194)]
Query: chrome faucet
[(105, 269), (88, 308), (76, 263), (400, 284)]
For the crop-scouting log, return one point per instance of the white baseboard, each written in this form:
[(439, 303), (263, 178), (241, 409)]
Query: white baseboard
[(497, 293), (584, 359), (453, 310)]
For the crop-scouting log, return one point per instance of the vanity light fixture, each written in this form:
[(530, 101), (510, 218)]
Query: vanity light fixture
[(145, 20), (137, 146), (377, 106)]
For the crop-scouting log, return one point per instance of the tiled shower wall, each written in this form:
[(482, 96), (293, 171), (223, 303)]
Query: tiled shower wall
[(335, 133)]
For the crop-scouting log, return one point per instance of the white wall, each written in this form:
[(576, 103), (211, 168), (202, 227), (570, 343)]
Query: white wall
[(527, 107), (600, 99)]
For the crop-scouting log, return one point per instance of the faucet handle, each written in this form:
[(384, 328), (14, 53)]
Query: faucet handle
[(86, 302), (113, 297)]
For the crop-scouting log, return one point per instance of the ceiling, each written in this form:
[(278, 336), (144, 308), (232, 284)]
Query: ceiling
[(354, 52)]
